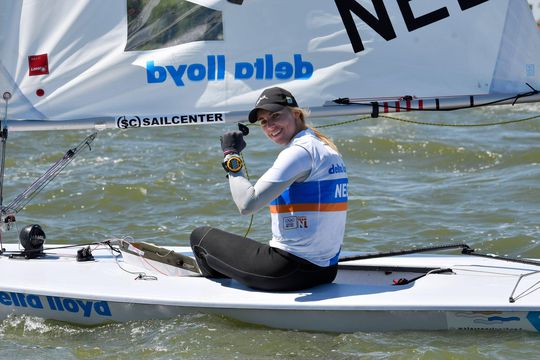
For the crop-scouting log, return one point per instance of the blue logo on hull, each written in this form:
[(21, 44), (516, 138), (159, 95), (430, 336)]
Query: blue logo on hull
[(87, 308)]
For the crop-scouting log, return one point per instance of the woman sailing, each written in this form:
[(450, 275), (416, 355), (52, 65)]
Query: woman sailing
[(307, 191)]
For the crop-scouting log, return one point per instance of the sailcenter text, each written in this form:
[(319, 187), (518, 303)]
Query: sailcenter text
[(124, 122)]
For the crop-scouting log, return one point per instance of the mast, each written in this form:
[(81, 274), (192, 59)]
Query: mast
[(4, 135)]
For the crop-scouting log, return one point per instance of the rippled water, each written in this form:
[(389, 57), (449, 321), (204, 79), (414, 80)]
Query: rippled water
[(410, 185)]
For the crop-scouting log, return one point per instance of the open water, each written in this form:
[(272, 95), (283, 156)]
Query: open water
[(410, 185)]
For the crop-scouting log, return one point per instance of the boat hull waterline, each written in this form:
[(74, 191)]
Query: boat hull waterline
[(462, 293)]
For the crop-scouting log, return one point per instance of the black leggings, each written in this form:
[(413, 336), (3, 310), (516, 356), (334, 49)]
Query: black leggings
[(259, 266)]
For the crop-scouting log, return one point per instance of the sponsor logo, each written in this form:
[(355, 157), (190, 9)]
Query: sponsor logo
[(491, 320), (261, 99), (337, 169), (87, 308), (295, 222), (264, 68), (38, 65), (124, 122)]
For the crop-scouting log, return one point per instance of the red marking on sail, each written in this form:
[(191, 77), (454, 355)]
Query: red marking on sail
[(38, 65)]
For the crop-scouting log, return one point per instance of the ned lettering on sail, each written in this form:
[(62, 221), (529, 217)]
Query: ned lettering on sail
[(382, 23)]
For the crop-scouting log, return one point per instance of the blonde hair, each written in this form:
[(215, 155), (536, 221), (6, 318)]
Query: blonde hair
[(304, 114)]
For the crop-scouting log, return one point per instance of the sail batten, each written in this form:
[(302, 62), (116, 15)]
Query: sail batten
[(134, 63)]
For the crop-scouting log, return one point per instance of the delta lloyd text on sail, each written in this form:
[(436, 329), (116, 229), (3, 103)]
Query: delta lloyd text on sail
[(215, 67)]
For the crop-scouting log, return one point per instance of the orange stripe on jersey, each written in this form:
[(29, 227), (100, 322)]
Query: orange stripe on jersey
[(289, 208)]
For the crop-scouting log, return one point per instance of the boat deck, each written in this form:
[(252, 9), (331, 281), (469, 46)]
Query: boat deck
[(363, 296)]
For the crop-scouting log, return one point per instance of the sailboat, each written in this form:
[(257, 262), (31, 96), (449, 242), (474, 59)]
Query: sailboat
[(105, 65)]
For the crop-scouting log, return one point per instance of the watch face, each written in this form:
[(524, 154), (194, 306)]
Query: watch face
[(233, 164)]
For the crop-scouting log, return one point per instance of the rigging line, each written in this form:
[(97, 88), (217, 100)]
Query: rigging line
[(46, 249), (470, 251), (404, 281), (428, 123), (461, 125), (344, 122), (37, 186), (252, 215), (471, 268), (530, 93), (145, 261), (405, 252), (140, 274), (512, 298), (529, 290)]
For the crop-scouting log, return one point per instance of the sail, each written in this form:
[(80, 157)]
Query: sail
[(135, 63)]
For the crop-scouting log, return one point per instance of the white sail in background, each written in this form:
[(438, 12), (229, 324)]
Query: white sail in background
[(131, 63)]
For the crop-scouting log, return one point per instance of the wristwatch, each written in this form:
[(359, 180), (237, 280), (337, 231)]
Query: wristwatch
[(232, 163)]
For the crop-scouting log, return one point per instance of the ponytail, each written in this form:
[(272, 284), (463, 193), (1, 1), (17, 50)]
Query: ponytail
[(304, 113), (325, 139)]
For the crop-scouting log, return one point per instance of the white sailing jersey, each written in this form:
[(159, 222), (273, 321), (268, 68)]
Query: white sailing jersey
[(308, 218)]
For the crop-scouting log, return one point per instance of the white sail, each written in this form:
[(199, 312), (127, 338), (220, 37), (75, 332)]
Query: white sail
[(131, 63)]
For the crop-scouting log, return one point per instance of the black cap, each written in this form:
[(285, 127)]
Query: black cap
[(272, 99)]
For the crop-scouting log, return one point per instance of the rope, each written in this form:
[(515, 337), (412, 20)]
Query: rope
[(344, 122), (251, 219), (140, 274), (462, 125), (429, 123), (39, 184)]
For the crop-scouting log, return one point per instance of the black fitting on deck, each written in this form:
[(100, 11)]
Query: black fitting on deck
[(375, 110)]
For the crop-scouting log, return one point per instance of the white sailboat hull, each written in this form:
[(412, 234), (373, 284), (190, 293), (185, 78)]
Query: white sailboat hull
[(473, 295)]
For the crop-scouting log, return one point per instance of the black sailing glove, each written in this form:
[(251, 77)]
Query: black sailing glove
[(232, 142)]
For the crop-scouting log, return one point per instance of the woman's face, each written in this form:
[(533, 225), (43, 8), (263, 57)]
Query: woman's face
[(280, 126)]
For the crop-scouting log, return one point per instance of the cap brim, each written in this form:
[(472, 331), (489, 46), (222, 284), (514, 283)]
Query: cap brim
[(268, 107)]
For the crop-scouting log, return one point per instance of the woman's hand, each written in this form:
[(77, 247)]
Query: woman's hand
[(232, 142)]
